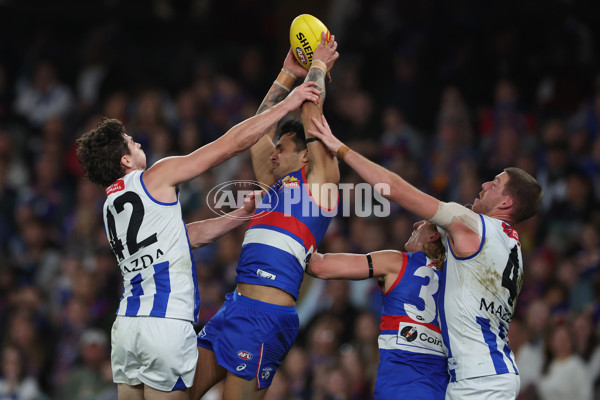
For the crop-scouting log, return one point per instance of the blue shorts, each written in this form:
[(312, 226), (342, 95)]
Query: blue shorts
[(250, 338), (411, 376)]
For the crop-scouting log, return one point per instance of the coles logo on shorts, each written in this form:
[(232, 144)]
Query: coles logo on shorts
[(244, 355)]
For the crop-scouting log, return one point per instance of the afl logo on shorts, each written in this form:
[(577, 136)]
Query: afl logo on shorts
[(409, 333), (301, 56), (244, 355)]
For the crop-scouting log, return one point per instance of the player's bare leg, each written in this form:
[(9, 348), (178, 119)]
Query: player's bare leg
[(208, 373), (153, 394), (237, 388), (127, 392)]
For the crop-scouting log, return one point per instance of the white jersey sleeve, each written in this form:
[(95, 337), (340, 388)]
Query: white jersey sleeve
[(150, 242), (479, 295)]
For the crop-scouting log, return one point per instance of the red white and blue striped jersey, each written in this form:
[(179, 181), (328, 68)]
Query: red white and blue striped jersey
[(477, 302), (409, 318), (410, 340), (283, 233), (150, 241)]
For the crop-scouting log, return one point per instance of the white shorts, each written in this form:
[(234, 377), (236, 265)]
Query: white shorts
[(492, 387), (158, 352)]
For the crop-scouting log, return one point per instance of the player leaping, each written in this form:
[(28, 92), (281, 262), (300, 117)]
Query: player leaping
[(246, 341), (154, 352), (484, 270)]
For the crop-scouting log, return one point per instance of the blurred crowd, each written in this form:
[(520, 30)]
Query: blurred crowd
[(446, 95)]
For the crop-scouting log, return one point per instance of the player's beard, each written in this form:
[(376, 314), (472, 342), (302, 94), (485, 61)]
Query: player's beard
[(478, 207)]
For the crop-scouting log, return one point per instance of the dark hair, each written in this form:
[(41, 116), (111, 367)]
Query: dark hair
[(100, 150), (526, 193), (549, 356), (296, 129)]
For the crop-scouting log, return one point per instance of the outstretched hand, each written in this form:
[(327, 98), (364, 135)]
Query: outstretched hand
[(306, 91), (291, 64), (251, 201), (324, 133), (327, 52)]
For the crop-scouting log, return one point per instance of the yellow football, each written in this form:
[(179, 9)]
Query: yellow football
[(305, 37)]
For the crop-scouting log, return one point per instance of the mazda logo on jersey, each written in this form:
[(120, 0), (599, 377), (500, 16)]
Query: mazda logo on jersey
[(244, 355), (409, 333)]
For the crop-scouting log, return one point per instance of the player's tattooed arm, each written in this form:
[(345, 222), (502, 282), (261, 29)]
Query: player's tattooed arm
[(275, 95), (261, 151), (323, 167), (318, 75)]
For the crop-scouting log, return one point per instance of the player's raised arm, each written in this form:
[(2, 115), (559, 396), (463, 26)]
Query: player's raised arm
[(400, 191), (403, 193), (281, 87), (168, 172), (323, 167)]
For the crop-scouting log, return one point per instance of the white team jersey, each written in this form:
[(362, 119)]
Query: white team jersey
[(479, 295), (150, 242)]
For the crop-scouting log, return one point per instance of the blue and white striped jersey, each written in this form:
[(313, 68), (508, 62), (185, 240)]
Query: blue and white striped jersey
[(150, 242), (478, 297)]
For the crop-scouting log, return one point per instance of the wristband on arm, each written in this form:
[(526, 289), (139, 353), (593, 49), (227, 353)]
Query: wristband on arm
[(342, 151), (320, 65), (285, 79), (370, 261)]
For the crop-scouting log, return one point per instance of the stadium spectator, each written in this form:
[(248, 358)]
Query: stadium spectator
[(86, 378), (44, 96), (564, 375), (531, 356), (15, 382)]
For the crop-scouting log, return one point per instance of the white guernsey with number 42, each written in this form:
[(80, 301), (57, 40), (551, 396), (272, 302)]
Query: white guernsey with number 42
[(479, 295), (149, 239)]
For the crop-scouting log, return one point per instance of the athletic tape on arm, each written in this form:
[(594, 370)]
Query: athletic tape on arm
[(447, 213)]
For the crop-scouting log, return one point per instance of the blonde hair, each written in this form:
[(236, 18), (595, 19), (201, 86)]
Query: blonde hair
[(436, 252)]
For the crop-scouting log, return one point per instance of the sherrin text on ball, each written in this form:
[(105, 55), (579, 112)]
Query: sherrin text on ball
[(305, 37)]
